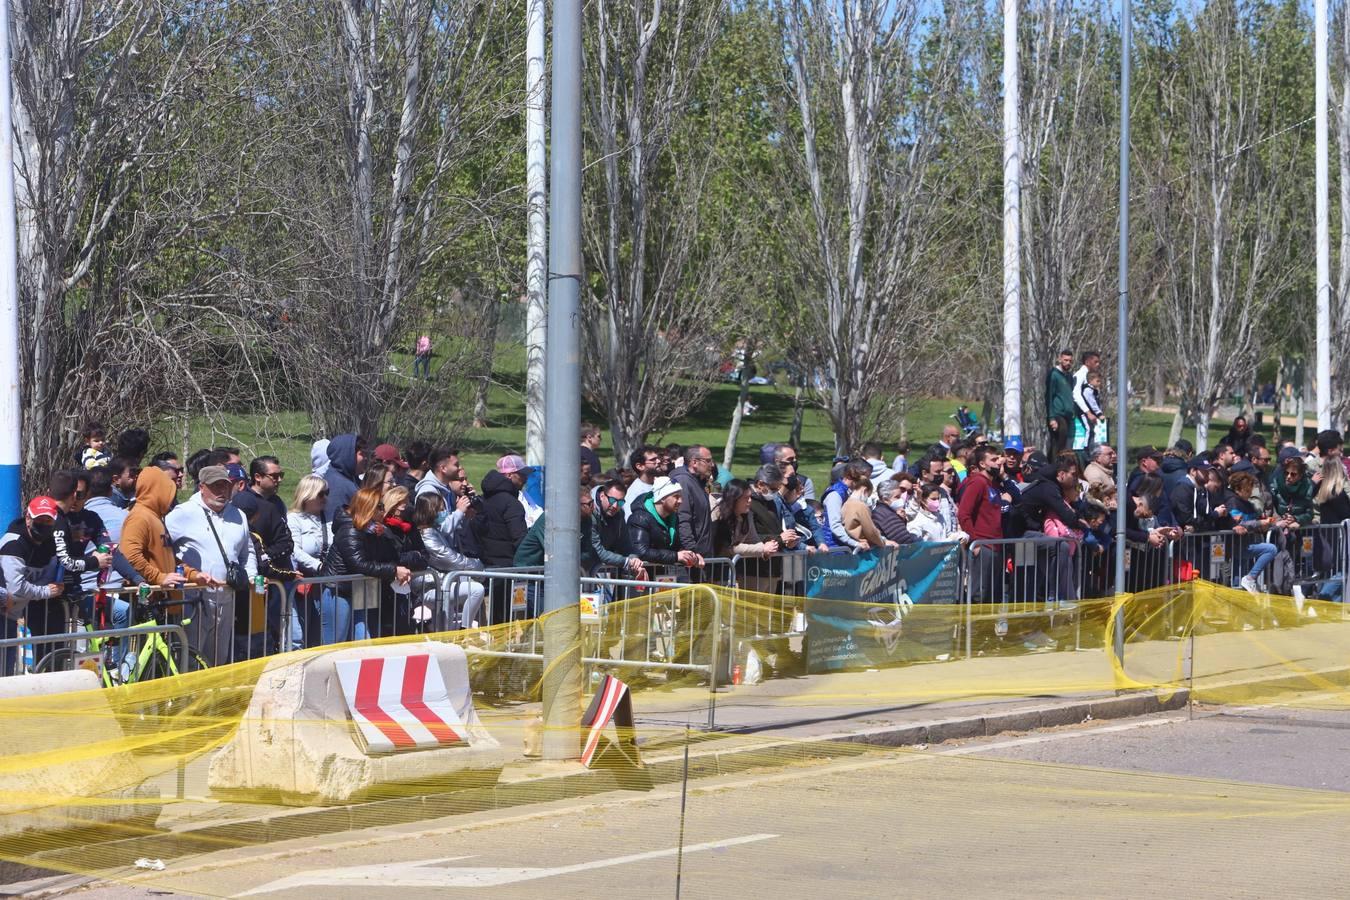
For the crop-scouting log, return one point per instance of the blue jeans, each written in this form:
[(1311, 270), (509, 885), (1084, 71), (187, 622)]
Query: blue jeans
[(337, 622), (1264, 554), (121, 618)]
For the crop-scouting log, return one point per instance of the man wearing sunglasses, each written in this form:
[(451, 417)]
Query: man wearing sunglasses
[(266, 512), (610, 531), (695, 515)]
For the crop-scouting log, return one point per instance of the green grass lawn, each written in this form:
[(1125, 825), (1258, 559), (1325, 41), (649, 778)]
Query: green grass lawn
[(288, 437)]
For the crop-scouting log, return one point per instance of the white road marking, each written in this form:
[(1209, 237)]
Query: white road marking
[(425, 873), (1060, 736), (235, 857)]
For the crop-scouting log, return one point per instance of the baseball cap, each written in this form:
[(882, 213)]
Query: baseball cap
[(1244, 465), (388, 453), (1013, 443), (1199, 464), (1149, 452), (236, 472), (41, 507), (213, 475), (1288, 453), (663, 487), (512, 464)]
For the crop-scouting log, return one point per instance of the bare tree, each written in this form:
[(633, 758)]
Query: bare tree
[(114, 103), (1068, 209), (650, 356), (1340, 350), (1212, 207), (867, 135)]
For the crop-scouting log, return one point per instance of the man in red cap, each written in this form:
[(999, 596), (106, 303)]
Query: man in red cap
[(28, 569), (390, 456)]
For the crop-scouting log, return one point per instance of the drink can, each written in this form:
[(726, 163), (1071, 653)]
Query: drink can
[(736, 674), (143, 592), (258, 583), (180, 570)]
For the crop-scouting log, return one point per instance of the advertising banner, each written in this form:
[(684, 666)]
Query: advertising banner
[(884, 607)]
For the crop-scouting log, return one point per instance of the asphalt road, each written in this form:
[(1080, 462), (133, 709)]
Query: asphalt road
[(1244, 804)]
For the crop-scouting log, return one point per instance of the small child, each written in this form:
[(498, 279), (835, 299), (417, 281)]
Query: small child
[(94, 456)]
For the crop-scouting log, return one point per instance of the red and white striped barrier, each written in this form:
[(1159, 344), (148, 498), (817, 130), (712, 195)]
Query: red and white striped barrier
[(399, 703), (611, 703)]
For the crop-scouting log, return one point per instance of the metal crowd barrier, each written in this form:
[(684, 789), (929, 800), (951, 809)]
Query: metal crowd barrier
[(78, 641), (645, 638)]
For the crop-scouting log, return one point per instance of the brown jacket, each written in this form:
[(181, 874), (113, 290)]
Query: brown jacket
[(858, 523), (145, 542)]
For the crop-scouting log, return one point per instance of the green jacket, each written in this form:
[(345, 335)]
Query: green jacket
[(593, 554), (1294, 499), (1059, 394)]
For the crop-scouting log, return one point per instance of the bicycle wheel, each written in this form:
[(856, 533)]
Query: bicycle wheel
[(60, 660)]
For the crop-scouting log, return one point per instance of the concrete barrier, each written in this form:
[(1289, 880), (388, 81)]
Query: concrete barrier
[(55, 771), (297, 745)]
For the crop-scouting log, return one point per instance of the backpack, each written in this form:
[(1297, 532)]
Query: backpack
[(1280, 575)]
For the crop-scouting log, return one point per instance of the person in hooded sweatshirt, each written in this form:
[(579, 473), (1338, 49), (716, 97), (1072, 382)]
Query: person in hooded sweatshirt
[(501, 526), (347, 463), (145, 542), (318, 457)]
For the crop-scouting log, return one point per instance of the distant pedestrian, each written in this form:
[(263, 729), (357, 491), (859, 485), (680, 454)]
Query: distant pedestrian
[(422, 357)]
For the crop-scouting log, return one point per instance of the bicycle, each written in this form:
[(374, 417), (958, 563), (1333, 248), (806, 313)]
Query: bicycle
[(157, 656)]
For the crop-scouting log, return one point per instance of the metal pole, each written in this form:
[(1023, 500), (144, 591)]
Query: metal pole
[(536, 255), (1012, 245), (11, 502), (1122, 325), (1323, 226), (562, 400)]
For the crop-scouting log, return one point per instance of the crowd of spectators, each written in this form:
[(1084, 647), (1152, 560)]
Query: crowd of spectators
[(407, 518)]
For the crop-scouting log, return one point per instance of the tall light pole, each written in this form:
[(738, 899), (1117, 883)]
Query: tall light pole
[(11, 442), (536, 255), (1122, 320), (561, 686), (1323, 225), (1012, 235)]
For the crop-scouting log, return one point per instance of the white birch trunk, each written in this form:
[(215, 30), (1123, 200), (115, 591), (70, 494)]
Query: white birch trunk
[(536, 250)]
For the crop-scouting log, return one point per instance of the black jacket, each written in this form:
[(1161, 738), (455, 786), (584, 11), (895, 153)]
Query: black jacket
[(361, 553), (1190, 506), (891, 525), (500, 527), (653, 542), (1173, 472), (764, 513), (1037, 498), (612, 533), (267, 519), (695, 513)]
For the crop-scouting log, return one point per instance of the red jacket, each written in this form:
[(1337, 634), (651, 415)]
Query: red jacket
[(980, 517)]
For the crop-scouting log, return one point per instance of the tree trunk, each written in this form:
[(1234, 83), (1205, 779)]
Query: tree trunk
[(747, 372), (1298, 417), (480, 403), (798, 413), (536, 257), (1173, 433), (1202, 430)]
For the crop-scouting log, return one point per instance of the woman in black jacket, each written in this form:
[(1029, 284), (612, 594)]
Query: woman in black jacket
[(396, 618), (361, 546)]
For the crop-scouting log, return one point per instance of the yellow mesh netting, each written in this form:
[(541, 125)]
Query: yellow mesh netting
[(91, 780)]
